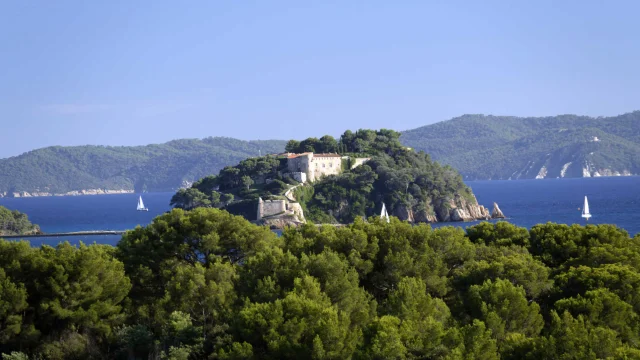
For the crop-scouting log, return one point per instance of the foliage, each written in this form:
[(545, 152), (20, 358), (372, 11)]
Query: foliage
[(503, 147), (13, 222), (207, 284), (363, 142), (250, 179), (161, 167), (61, 302)]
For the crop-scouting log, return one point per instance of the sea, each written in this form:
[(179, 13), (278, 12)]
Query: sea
[(612, 200)]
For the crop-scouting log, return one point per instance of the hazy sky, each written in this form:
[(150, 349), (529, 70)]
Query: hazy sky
[(114, 73)]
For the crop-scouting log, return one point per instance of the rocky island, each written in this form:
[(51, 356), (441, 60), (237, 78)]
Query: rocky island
[(333, 181)]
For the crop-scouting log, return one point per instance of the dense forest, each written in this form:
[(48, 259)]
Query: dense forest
[(13, 222), (162, 167), (507, 147), (207, 284), (406, 181)]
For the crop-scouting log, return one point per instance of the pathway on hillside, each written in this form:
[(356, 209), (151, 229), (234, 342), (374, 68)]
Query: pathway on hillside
[(289, 195)]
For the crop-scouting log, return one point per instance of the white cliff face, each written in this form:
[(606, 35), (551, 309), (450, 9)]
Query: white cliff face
[(589, 170), (542, 173), (564, 169)]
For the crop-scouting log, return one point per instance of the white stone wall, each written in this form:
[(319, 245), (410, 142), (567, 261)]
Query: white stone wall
[(325, 165), (298, 176), (273, 207), (358, 161), (300, 163)]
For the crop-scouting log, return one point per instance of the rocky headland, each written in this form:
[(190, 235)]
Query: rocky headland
[(453, 210)]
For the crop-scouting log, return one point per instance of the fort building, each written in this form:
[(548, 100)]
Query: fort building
[(316, 166), (279, 208)]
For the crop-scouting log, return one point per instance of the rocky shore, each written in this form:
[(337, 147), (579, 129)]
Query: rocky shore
[(279, 223), (33, 232), (452, 210), (23, 194), (457, 209)]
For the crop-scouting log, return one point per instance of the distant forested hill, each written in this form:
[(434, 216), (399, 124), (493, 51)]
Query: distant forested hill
[(161, 167), (505, 147)]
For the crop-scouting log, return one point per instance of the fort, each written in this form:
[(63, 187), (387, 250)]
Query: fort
[(303, 168), (279, 208), (310, 166)]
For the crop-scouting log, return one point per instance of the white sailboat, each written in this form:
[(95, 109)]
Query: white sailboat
[(585, 209), (384, 214), (141, 205)]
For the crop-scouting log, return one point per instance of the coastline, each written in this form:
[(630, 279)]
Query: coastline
[(74, 233), (83, 192), (88, 192), (466, 179)]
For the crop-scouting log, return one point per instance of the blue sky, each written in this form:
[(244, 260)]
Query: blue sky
[(114, 73)]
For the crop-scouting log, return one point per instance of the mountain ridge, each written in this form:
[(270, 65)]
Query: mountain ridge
[(478, 146), (501, 147), (156, 167)]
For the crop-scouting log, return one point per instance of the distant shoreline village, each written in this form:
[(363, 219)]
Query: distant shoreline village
[(25, 194)]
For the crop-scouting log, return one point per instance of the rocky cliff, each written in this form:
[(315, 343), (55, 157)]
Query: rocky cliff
[(455, 209), (497, 213), (279, 222)]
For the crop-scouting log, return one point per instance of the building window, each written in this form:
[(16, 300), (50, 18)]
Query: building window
[(330, 164), (324, 165)]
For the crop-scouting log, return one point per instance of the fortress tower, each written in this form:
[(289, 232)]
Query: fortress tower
[(260, 209)]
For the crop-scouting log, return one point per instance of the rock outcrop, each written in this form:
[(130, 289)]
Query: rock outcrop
[(456, 209), (280, 222), (404, 213), (297, 211), (423, 216), (497, 213)]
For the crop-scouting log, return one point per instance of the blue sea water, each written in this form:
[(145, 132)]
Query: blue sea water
[(84, 213), (612, 200)]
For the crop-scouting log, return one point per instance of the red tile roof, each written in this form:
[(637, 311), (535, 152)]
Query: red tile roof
[(293, 156)]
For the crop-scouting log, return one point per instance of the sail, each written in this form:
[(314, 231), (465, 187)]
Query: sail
[(384, 214), (140, 203), (585, 209)]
